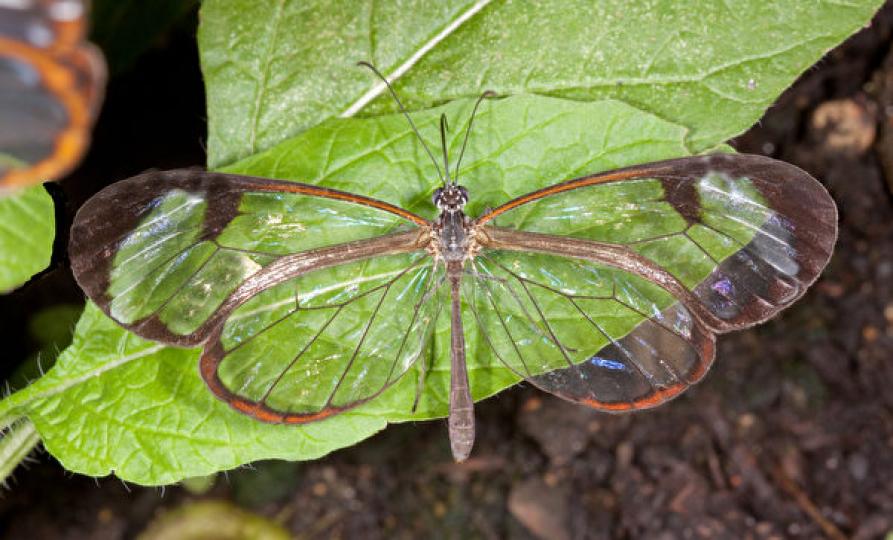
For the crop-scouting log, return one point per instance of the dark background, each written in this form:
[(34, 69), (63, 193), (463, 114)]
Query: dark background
[(789, 436)]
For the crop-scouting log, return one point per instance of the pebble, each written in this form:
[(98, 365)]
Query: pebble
[(844, 126)]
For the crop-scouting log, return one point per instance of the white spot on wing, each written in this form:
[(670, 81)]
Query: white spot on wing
[(16, 4), (38, 34), (66, 10)]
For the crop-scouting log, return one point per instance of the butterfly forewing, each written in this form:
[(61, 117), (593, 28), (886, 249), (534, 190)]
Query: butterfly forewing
[(326, 341), (169, 254), (746, 234)]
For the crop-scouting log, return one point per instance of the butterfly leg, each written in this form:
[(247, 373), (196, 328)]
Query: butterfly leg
[(461, 419)]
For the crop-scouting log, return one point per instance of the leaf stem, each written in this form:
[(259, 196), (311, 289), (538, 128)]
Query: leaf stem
[(20, 439)]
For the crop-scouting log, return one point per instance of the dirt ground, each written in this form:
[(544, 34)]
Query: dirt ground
[(789, 436)]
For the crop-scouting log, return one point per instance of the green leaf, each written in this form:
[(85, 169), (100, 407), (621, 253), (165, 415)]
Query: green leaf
[(27, 228), (274, 69), (228, 521), (115, 402)]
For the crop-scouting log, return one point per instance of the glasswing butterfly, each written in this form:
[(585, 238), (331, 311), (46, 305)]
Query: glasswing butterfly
[(301, 319), (51, 85)]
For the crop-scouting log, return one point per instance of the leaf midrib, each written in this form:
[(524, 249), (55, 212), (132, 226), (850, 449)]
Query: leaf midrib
[(404, 67)]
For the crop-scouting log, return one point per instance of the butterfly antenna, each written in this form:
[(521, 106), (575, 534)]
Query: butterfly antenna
[(488, 93), (406, 114), (444, 127)]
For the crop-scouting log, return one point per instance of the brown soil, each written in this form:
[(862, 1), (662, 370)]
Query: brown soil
[(789, 436)]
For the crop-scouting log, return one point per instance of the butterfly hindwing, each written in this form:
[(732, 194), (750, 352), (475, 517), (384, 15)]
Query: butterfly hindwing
[(327, 341), (585, 331)]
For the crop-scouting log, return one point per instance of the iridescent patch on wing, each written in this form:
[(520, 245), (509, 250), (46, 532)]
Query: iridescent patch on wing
[(584, 331), (51, 86)]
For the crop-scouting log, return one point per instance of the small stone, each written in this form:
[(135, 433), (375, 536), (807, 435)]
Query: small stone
[(105, 515), (624, 454), (561, 429), (540, 508), (532, 404), (747, 421), (870, 334), (844, 126), (832, 289), (858, 467)]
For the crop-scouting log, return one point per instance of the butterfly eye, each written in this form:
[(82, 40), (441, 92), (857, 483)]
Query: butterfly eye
[(464, 193), (436, 197)]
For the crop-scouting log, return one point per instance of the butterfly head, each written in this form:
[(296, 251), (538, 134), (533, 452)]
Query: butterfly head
[(450, 199)]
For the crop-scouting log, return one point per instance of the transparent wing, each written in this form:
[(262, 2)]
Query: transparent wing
[(169, 255), (746, 234), (608, 290), (586, 332), (326, 341)]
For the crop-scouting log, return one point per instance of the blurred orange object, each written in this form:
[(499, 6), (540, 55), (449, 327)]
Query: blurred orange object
[(51, 85)]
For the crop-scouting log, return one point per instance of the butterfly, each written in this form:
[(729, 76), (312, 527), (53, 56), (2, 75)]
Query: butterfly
[(607, 290), (51, 85)]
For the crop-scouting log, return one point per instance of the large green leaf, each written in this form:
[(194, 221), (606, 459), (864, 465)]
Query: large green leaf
[(274, 69), (27, 227), (114, 402)]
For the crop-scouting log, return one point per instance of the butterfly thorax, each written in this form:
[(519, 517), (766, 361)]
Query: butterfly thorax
[(453, 241)]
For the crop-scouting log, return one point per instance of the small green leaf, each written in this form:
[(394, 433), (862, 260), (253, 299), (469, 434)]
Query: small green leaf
[(27, 228), (227, 521), (274, 69)]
